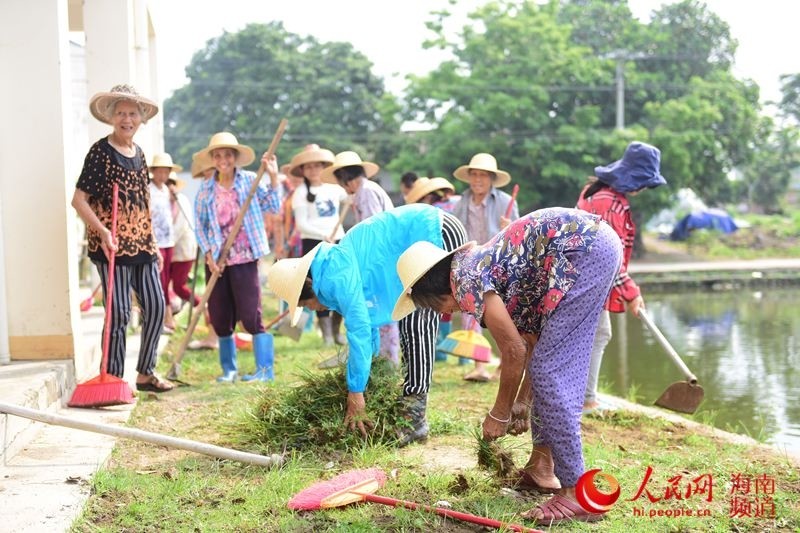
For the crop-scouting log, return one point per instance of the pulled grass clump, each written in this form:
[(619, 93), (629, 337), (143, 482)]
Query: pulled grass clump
[(496, 456), (311, 413)]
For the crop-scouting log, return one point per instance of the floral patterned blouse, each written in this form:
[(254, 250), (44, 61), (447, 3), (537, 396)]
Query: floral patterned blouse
[(102, 167), (527, 265)]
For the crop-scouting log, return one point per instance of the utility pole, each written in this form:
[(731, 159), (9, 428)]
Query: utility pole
[(620, 83)]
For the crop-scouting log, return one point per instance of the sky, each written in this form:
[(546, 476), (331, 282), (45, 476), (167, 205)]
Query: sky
[(390, 32)]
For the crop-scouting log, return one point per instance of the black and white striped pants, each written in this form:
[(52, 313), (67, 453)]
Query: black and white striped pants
[(419, 330), (145, 281)]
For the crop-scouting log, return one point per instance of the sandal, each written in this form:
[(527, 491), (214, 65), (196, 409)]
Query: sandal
[(477, 377), (154, 384), (561, 509), (201, 345), (525, 481)]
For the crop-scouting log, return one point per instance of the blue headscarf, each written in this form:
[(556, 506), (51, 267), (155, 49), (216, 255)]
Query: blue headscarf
[(639, 168)]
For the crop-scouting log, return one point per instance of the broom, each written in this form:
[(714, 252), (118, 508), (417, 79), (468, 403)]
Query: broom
[(105, 389), (359, 486), (89, 302)]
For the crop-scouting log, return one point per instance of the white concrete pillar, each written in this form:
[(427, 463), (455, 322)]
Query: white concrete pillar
[(38, 233)]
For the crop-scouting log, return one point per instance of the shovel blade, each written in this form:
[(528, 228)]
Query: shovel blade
[(293, 332), (681, 397)]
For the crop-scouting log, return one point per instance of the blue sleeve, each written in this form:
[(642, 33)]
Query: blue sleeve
[(340, 289)]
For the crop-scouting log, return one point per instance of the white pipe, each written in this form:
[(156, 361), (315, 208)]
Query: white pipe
[(144, 436), (5, 353)]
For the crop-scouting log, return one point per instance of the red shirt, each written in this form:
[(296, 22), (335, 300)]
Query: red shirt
[(614, 208)]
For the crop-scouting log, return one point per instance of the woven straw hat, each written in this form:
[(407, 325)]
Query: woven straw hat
[(102, 104), (485, 162), (225, 139), (200, 163), (179, 183), (286, 277), (414, 263), (164, 160), (348, 159), (424, 186), (312, 153)]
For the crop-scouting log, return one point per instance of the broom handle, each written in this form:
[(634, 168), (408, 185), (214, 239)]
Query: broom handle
[(144, 436), (513, 197), (342, 214), (223, 256), (448, 513), (110, 289)]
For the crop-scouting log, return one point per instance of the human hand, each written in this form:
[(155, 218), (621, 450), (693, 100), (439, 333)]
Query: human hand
[(356, 417), (212, 265), (636, 304), (494, 427), (520, 418), (504, 222), (160, 261), (107, 243)]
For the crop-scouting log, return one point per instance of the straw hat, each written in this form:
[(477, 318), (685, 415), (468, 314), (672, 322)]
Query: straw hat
[(485, 162), (225, 139), (102, 105), (179, 183), (200, 163), (414, 263), (164, 160), (312, 153), (424, 186), (348, 159), (286, 278)]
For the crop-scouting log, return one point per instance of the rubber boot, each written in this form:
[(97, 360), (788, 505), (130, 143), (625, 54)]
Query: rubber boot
[(444, 331), (326, 326), (227, 359), (336, 326), (265, 356), (413, 410)]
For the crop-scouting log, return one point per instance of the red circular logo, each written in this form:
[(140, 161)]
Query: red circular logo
[(593, 499)]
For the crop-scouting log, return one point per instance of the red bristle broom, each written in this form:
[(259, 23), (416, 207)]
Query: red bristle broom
[(359, 486), (89, 302), (105, 389)]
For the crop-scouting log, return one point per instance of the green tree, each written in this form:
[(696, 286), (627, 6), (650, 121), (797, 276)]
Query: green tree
[(790, 102), (245, 82), (777, 153)]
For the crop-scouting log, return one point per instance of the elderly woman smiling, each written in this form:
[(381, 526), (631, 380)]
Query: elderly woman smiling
[(548, 275)]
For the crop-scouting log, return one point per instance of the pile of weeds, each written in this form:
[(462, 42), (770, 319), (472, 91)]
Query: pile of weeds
[(311, 412)]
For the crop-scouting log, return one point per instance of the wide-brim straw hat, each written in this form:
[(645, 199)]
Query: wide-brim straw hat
[(200, 163), (286, 278), (424, 186), (179, 183), (164, 160), (312, 153), (101, 105), (639, 168), (224, 139), (348, 159), (485, 162), (414, 263)]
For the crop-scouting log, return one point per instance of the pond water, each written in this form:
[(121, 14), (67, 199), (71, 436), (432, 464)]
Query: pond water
[(743, 346)]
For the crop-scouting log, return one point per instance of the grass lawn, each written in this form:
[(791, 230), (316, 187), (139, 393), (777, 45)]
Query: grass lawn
[(735, 487)]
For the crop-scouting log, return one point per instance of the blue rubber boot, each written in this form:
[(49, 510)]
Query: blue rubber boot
[(227, 359), (265, 357), (444, 331)]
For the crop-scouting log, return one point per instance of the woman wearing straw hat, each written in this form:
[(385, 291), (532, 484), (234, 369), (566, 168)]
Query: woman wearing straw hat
[(116, 158), (316, 206), (548, 275), (368, 198), (357, 277), (605, 195), (203, 168), (236, 297), (163, 225), (482, 210)]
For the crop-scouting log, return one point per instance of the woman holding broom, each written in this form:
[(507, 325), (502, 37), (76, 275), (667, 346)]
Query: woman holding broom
[(237, 293), (117, 159), (546, 274)]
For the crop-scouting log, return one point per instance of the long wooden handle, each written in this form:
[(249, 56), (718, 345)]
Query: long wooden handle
[(449, 513), (667, 346), (339, 223), (223, 256), (513, 198), (144, 436), (110, 289)]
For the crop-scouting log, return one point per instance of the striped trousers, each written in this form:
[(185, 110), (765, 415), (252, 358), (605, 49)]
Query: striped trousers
[(419, 330), (145, 282)]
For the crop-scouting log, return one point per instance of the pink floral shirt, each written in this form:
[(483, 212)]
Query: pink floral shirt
[(226, 203), (527, 265)]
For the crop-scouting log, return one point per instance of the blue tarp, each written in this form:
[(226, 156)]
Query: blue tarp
[(710, 218)]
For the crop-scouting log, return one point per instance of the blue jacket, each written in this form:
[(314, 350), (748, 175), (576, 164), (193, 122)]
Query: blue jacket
[(358, 277)]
